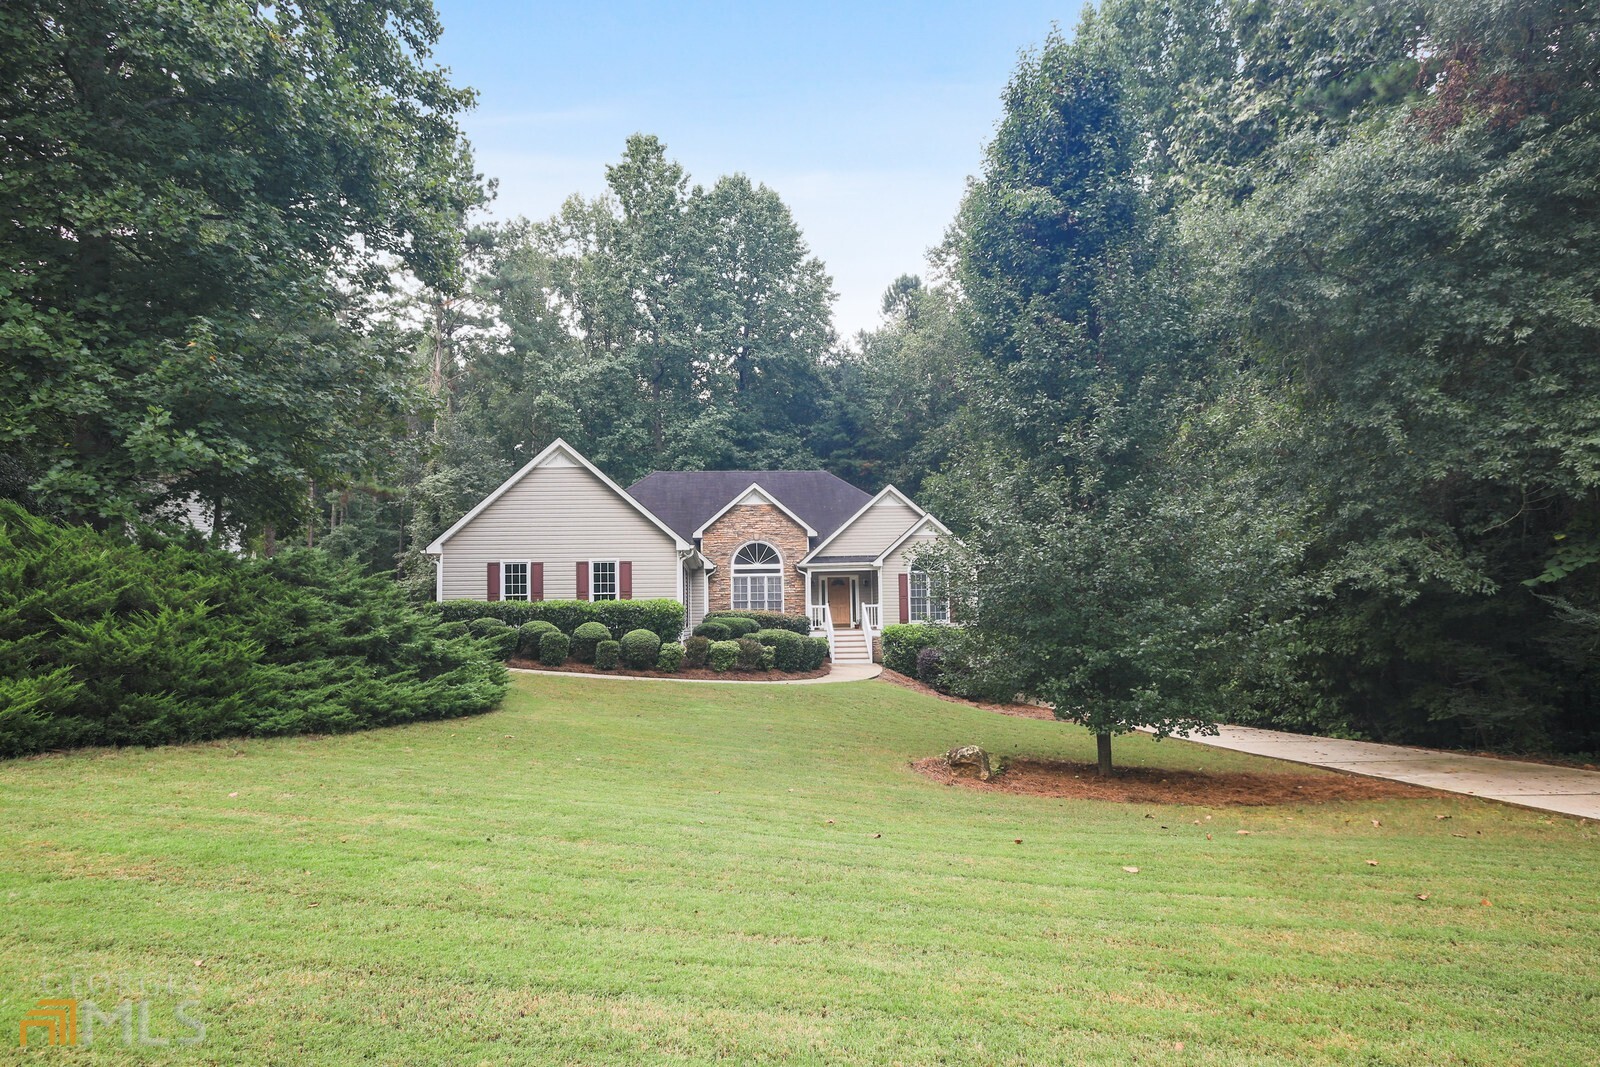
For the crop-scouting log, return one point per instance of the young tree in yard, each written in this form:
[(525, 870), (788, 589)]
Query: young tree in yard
[(1083, 573), (203, 201)]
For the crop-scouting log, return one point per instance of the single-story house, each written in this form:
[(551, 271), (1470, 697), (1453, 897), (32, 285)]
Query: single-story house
[(790, 541)]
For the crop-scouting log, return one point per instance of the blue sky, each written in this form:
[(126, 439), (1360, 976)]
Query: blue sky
[(866, 117)]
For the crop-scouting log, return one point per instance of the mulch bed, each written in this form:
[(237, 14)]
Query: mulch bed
[(1154, 785), (698, 674)]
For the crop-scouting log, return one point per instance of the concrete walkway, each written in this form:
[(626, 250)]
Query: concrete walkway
[(1567, 790), (842, 672)]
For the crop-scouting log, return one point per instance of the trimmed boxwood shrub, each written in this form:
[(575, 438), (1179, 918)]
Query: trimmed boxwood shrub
[(528, 635), (749, 653), (766, 620), (695, 651), (553, 647), (769, 658), (713, 631), (606, 654), (739, 626), (789, 648), (183, 643), (452, 629), (819, 653), (585, 638), (903, 641), (670, 658), (640, 649), (662, 616), (723, 655)]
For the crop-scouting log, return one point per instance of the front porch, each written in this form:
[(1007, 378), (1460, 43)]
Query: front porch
[(843, 604)]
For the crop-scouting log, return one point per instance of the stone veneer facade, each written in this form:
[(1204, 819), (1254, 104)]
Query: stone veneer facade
[(743, 523)]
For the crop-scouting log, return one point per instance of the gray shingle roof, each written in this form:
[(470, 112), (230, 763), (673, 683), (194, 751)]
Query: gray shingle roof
[(684, 500)]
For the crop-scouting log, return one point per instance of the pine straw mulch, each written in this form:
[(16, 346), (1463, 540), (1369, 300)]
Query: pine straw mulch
[(1160, 785), (697, 674), (1152, 785)]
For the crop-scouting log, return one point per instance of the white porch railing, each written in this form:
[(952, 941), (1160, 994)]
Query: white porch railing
[(869, 624), (822, 619)]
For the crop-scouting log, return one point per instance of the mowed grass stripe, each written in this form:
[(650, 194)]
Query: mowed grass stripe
[(646, 873)]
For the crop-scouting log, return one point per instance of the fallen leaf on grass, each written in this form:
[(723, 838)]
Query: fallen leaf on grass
[(1177, 1046), (1242, 833), (233, 794), (1441, 816), (1485, 902), (1375, 822), (877, 835), (1019, 840), (1131, 870), (1372, 863), (1422, 896)]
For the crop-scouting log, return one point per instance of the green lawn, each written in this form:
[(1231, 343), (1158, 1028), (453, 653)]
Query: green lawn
[(615, 872)]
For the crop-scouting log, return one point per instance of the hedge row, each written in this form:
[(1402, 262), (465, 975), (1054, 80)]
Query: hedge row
[(662, 617), (766, 620), (107, 642), (902, 643)]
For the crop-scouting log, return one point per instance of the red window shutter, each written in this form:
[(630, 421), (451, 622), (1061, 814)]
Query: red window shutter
[(536, 581), (905, 598), (583, 579), (494, 581), (625, 580)]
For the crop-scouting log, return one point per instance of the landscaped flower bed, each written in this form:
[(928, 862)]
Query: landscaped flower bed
[(598, 638)]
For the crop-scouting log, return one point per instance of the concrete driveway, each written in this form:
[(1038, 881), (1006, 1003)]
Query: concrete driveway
[(1567, 790)]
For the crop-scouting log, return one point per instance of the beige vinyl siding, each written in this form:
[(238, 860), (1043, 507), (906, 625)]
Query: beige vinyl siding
[(558, 515), (898, 563), (694, 592), (874, 530)]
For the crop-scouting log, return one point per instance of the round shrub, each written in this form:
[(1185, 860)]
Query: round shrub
[(452, 630), (789, 648), (818, 647), (528, 635), (695, 651), (930, 666), (485, 625), (553, 647), (769, 657), (713, 631), (606, 654), (738, 626), (640, 649), (749, 653), (670, 658), (723, 655), (586, 638)]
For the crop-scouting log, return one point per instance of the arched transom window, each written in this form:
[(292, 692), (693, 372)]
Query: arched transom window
[(757, 578)]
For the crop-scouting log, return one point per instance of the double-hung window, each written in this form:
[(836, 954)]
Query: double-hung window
[(513, 581), (757, 578), (928, 600), (603, 579)]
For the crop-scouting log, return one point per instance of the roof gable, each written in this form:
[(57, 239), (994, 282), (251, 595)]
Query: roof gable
[(889, 493), (558, 454)]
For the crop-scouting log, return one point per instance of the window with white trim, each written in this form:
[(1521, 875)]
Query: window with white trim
[(929, 603), (603, 579), (513, 581), (757, 578)]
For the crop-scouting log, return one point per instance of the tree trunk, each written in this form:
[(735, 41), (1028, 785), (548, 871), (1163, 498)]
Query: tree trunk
[(269, 540), (1102, 744)]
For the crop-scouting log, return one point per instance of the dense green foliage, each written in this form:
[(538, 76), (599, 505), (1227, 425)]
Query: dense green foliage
[(104, 642), (529, 635), (554, 647), (722, 656), (203, 204), (790, 652), (606, 655), (696, 651), (670, 660), (584, 639), (661, 615), (1280, 397), (640, 649), (765, 620), (902, 641), (713, 631)]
